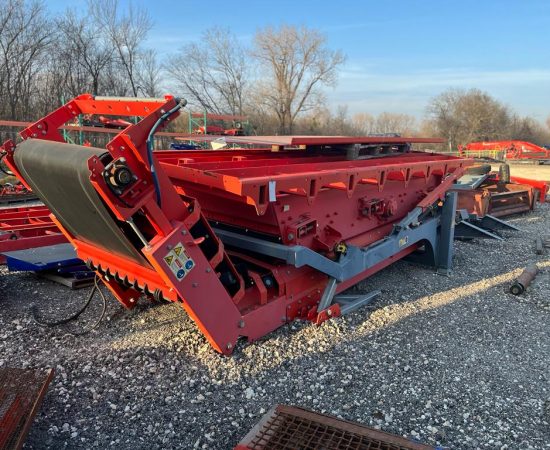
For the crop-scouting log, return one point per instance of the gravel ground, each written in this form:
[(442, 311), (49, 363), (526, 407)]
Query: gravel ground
[(455, 361)]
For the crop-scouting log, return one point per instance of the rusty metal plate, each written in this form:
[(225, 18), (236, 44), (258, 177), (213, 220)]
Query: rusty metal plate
[(292, 428), (21, 393)]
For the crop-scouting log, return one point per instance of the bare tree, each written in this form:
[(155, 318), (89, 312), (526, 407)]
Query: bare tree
[(81, 42), (126, 31), (25, 35), (212, 72), (529, 129), (465, 116), (297, 62), (384, 123), (149, 74)]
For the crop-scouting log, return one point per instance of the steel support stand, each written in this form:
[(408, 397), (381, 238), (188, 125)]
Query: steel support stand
[(444, 256)]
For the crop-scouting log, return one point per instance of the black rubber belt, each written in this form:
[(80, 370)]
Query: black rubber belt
[(58, 174)]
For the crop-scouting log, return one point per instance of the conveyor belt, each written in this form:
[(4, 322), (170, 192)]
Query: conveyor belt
[(58, 173)]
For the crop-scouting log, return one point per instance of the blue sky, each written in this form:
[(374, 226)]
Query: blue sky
[(399, 53)]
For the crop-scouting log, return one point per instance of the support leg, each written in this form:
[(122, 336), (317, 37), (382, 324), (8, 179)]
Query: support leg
[(444, 249)]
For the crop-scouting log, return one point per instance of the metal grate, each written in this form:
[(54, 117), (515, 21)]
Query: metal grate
[(21, 392), (291, 428)]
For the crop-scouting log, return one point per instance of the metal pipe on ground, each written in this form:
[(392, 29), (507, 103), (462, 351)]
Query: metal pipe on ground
[(524, 280)]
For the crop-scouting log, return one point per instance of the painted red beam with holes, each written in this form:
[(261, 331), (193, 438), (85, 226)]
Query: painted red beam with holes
[(244, 240)]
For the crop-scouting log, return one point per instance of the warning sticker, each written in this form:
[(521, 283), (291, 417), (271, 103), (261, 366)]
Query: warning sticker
[(179, 261)]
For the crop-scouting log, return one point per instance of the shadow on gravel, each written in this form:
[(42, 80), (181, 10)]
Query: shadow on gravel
[(168, 327)]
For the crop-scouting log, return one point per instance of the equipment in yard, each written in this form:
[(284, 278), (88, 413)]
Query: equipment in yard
[(57, 262), (289, 428), (482, 192), (484, 197), (15, 193), (506, 150), (245, 240), (216, 124), (496, 197), (26, 227)]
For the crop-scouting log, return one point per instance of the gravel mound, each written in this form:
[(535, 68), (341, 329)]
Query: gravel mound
[(455, 361)]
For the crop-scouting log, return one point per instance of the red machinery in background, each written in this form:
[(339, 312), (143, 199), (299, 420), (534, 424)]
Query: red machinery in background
[(14, 193), (26, 227), (247, 239), (509, 150)]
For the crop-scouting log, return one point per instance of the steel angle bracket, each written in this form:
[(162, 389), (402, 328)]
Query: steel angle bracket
[(494, 223), (467, 230)]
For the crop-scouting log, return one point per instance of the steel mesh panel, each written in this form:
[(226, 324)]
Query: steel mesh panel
[(21, 391), (290, 428)]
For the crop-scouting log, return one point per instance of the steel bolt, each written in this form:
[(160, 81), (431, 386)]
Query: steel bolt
[(241, 323), (208, 270), (229, 346), (195, 284), (184, 232), (290, 236), (329, 312), (169, 247)]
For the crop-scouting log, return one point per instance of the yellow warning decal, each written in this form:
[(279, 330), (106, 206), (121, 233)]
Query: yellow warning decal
[(179, 261)]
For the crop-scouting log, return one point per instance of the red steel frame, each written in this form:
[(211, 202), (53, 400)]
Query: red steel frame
[(310, 196), (512, 149), (27, 227)]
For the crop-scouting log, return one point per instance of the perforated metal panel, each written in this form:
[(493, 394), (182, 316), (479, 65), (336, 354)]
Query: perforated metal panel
[(291, 428), (21, 392)]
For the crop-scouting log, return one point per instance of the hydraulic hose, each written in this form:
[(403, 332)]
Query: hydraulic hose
[(95, 288), (7, 172), (150, 143)]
